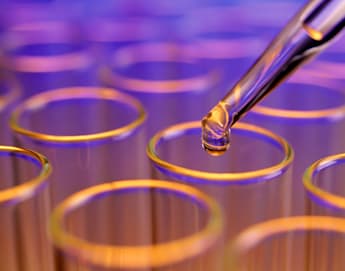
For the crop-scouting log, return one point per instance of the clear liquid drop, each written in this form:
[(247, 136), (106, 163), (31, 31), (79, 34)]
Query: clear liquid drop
[(216, 131)]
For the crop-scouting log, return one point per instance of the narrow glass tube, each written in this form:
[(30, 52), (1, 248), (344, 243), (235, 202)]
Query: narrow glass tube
[(24, 210), (166, 77), (310, 114), (90, 135), (184, 226), (324, 185), (293, 243), (48, 54), (251, 181)]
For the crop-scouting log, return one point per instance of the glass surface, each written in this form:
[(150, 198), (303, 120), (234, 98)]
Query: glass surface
[(308, 112), (141, 224), (324, 184), (167, 77), (91, 135), (251, 181), (292, 243), (24, 208)]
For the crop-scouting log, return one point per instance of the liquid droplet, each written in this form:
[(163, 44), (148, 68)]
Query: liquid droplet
[(216, 131), (217, 149)]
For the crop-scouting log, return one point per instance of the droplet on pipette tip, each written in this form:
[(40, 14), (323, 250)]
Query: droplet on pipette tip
[(217, 149), (215, 139)]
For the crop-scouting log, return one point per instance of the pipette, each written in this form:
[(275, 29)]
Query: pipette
[(305, 35)]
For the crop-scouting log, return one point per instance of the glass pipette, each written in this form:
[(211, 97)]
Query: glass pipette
[(306, 35)]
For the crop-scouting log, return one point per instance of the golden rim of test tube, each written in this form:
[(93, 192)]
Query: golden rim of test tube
[(25, 190), (70, 93), (127, 256), (152, 52), (306, 77), (309, 184), (216, 176), (45, 32), (257, 233)]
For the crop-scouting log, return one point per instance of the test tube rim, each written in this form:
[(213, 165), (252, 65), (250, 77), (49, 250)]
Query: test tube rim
[(311, 171), (46, 64), (157, 255), (235, 177), (328, 113), (78, 92), (164, 86), (26, 190), (254, 234)]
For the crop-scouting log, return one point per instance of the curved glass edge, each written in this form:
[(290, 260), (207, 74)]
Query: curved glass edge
[(77, 93), (28, 189), (136, 256), (45, 32), (240, 178), (333, 113), (160, 51), (318, 193), (257, 233)]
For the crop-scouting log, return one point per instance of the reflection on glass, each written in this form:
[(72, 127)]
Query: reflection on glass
[(251, 180), (183, 224), (166, 77), (292, 243), (24, 210), (90, 135), (48, 54), (309, 113), (324, 184)]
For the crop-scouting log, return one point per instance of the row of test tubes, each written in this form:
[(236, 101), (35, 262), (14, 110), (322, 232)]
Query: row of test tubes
[(101, 161)]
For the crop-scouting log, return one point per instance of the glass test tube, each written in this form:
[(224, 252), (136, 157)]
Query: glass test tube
[(184, 225), (302, 243), (324, 184), (106, 34), (166, 77), (24, 210), (10, 93), (251, 180), (309, 113), (90, 135), (48, 54)]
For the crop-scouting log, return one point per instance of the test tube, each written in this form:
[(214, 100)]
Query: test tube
[(10, 93), (309, 113), (251, 181), (166, 77), (106, 34), (323, 183), (46, 55), (184, 225), (292, 243), (90, 135), (24, 210)]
